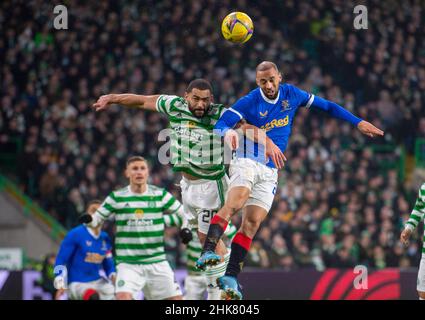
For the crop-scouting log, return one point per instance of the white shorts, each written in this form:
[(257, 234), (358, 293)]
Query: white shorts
[(156, 280), (421, 276), (195, 287), (257, 177), (102, 286), (202, 199)]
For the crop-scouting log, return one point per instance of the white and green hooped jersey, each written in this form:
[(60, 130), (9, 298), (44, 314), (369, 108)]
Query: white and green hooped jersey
[(418, 213), (140, 222), (195, 149), (194, 249)]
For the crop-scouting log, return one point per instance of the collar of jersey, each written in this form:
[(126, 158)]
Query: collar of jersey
[(269, 100), (138, 194), (92, 233)]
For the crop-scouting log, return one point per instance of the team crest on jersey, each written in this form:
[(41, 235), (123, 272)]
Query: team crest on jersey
[(139, 213), (151, 203), (285, 105), (264, 114), (104, 248), (89, 243)]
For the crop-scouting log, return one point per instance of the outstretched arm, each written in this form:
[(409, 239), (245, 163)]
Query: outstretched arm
[(128, 100), (339, 112), (105, 211)]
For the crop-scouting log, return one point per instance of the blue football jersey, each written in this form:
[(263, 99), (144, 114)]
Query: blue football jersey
[(85, 256), (274, 116)]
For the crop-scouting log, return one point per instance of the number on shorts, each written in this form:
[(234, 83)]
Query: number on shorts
[(207, 215)]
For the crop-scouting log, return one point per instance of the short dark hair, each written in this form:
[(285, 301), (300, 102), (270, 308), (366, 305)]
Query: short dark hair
[(266, 65), (134, 159), (92, 202), (200, 84)]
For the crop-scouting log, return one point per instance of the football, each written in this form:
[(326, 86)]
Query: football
[(237, 27)]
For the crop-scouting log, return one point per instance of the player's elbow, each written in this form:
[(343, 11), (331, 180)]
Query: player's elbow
[(220, 128)]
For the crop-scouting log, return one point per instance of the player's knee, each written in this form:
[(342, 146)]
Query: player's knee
[(236, 203), (123, 296), (91, 294), (421, 295), (237, 198), (249, 227)]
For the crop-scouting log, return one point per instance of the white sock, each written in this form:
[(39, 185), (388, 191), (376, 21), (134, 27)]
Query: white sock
[(213, 274)]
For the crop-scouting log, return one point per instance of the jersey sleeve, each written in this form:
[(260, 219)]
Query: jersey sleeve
[(230, 117), (66, 250), (175, 209), (418, 211), (165, 103), (333, 109), (241, 107), (108, 207), (105, 211), (304, 98)]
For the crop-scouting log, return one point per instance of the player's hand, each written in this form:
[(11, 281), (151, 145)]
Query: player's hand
[(85, 218), (59, 293), (405, 236), (232, 139), (103, 102), (186, 235), (369, 129), (273, 152)]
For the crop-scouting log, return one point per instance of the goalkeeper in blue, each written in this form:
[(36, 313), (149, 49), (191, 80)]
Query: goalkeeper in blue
[(416, 216), (84, 264), (253, 177)]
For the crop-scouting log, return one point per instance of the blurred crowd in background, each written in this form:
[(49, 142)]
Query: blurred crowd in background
[(338, 204)]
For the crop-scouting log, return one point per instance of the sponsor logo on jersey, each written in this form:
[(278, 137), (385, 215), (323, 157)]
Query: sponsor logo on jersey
[(276, 123), (187, 131), (139, 223), (93, 257)]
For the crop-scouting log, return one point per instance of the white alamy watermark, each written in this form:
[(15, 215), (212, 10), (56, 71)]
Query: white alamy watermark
[(60, 21), (361, 280), (360, 20), (185, 145)]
